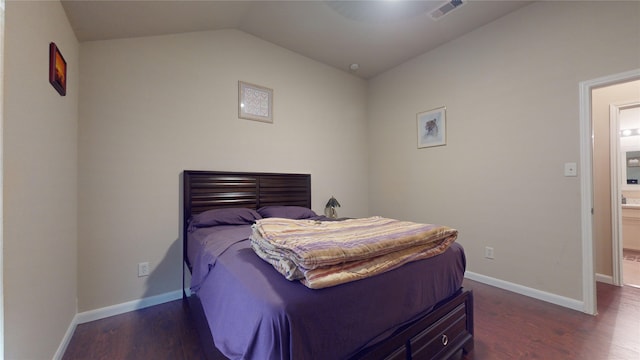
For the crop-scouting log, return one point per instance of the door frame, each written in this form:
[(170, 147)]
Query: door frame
[(586, 183)]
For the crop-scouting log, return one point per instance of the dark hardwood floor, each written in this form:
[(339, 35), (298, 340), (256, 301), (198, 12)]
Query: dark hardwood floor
[(159, 332), (507, 326), (512, 326)]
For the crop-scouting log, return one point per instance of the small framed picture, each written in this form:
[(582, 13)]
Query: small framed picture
[(432, 128), (57, 69), (255, 102)]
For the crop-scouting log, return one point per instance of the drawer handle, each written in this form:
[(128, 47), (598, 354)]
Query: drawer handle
[(445, 339)]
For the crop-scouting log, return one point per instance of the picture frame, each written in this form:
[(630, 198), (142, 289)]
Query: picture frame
[(57, 70), (255, 102), (432, 127)]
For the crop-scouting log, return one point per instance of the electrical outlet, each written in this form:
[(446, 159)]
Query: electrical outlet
[(143, 269), (488, 252)]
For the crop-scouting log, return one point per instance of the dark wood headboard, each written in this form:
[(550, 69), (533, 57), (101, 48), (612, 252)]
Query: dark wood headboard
[(206, 190)]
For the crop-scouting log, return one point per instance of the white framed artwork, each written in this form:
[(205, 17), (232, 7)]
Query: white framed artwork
[(432, 128), (255, 102)]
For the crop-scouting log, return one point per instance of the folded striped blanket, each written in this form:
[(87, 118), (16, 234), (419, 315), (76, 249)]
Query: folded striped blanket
[(328, 253)]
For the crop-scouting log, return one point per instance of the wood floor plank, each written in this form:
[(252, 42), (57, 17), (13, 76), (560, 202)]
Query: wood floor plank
[(160, 332), (512, 326), (507, 326)]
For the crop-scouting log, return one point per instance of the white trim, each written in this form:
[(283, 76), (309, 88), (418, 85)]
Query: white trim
[(527, 291), (66, 339), (118, 309), (607, 279), (586, 195), (616, 159), (616, 209), (586, 184)]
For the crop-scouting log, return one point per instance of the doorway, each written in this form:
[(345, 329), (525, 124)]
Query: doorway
[(625, 187), (591, 241)]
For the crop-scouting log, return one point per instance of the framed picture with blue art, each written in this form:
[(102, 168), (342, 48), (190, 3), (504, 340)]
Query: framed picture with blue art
[(432, 128)]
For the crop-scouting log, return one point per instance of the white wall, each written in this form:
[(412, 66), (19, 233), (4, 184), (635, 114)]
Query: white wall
[(511, 92), (152, 107), (40, 182)]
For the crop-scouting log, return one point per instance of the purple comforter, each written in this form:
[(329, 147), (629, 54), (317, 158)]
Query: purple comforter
[(255, 313)]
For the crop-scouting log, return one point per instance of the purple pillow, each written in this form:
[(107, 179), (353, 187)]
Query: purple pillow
[(288, 212), (231, 216)]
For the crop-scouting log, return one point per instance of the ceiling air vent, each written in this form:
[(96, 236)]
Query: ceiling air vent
[(445, 9)]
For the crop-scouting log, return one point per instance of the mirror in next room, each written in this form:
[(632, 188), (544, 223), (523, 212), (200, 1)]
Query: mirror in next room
[(630, 147), (633, 167)]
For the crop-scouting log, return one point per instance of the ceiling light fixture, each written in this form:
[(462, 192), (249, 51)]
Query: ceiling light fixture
[(354, 67), (446, 8)]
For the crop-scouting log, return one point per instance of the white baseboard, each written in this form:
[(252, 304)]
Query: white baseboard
[(108, 311), (118, 309), (607, 279), (66, 339), (527, 291)]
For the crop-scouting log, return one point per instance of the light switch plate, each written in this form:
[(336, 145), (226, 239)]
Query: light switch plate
[(570, 169)]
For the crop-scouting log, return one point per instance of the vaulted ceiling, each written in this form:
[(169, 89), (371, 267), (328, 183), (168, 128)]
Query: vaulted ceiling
[(377, 34)]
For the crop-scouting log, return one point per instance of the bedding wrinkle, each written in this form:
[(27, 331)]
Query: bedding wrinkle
[(206, 245)]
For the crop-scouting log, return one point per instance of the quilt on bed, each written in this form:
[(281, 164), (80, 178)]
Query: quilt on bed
[(327, 253)]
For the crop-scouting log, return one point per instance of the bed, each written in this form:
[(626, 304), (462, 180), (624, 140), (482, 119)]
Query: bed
[(243, 308)]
